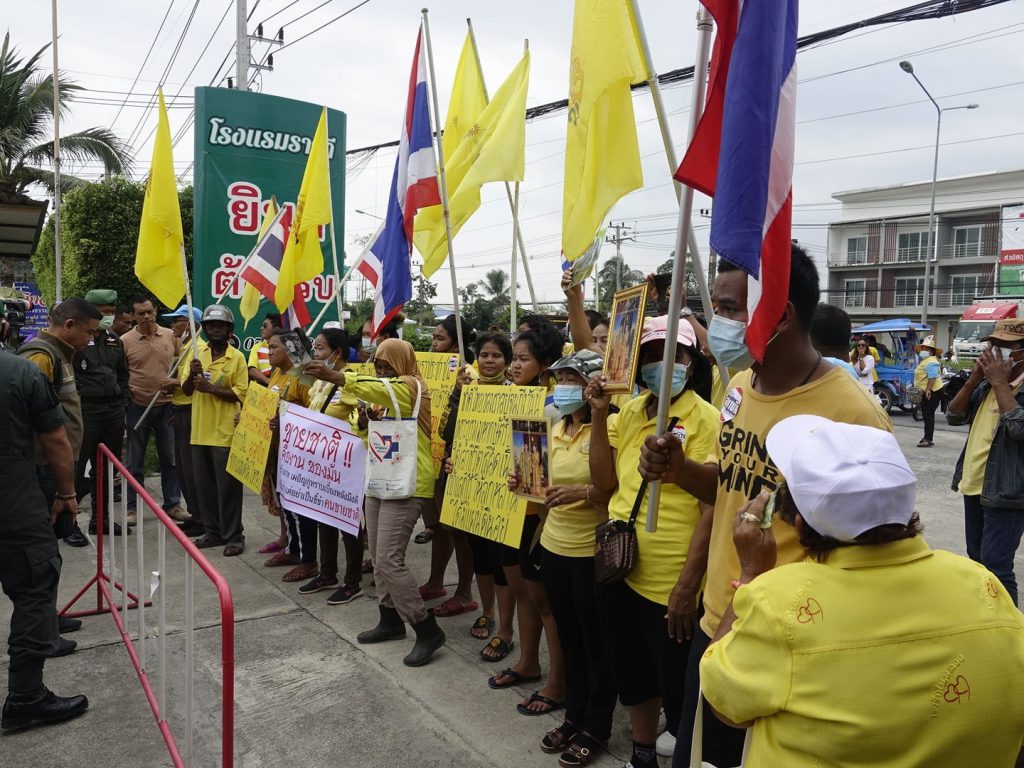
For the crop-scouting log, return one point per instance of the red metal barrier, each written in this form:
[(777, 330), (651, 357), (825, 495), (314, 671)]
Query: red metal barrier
[(106, 603)]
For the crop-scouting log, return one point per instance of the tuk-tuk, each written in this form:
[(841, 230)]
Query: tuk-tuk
[(896, 341)]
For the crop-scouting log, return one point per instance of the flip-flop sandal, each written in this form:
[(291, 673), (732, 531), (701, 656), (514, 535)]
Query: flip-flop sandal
[(517, 679), (485, 623), (271, 549), (503, 648), (367, 566), (551, 704), (301, 573), (233, 550), (432, 593), (280, 559), (559, 739), (454, 606)]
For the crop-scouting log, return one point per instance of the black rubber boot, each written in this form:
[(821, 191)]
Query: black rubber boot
[(390, 627), (429, 638)]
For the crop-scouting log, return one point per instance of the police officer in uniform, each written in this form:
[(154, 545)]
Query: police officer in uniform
[(101, 372), (29, 559)]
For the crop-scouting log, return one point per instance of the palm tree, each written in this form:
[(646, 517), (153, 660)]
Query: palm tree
[(496, 284), (26, 112), (615, 275)]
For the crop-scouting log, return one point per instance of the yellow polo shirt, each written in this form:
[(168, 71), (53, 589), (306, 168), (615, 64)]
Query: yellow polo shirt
[(179, 397), (745, 468), (569, 528), (979, 443), (891, 655), (213, 419), (370, 389), (662, 554), (292, 385)]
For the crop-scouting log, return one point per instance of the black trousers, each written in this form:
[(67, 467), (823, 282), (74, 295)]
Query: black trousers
[(220, 494), (302, 534), (590, 689), (329, 536), (181, 416), (29, 570), (928, 408), (102, 424)]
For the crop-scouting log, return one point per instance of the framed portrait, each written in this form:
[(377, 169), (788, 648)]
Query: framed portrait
[(530, 462), (626, 324)]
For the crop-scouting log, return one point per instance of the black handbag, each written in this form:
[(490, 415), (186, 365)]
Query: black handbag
[(615, 547)]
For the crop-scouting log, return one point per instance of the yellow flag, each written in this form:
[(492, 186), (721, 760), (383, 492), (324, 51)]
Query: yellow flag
[(468, 100), (602, 157), (250, 303), (303, 260), (158, 262), (492, 149)]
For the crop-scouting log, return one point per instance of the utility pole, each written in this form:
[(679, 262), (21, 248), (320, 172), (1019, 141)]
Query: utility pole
[(241, 46), (622, 234)]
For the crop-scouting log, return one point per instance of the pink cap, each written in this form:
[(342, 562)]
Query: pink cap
[(655, 329)]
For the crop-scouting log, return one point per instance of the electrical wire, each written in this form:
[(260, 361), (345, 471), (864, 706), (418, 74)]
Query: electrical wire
[(145, 60)]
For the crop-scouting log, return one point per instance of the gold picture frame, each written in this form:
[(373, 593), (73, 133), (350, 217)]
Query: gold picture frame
[(625, 326), (531, 463)]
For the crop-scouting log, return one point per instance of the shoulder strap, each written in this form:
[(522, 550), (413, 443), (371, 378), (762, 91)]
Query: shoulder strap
[(638, 502), (330, 396), (419, 397), (394, 400)]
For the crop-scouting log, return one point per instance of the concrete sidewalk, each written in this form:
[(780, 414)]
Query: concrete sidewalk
[(307, 695)]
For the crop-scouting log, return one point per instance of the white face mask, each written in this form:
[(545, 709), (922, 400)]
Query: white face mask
[(924, 354)]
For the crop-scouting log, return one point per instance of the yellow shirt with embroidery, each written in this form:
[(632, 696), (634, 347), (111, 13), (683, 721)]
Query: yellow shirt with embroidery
[(213, 419), (569, 528), (745, 468), (979, 443), (662, 554), (179, 397)]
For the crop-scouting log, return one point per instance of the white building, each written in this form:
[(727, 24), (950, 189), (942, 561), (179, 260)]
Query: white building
[(877, 248)]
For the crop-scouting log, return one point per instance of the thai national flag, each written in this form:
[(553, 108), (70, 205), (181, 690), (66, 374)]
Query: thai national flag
[(386, 260), (755, 60), (262, 269)]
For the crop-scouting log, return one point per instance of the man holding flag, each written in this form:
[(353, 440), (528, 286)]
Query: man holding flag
[(765, 295)]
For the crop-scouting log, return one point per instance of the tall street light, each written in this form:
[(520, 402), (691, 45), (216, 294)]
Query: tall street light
[(907, 67)]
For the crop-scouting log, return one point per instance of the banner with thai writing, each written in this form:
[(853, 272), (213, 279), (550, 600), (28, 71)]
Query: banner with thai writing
[(438, 369), (477, 498), (250, 147), (250, 444), (321, 468)]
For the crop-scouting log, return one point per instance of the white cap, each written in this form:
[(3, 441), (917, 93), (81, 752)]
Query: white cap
[(845, 479)]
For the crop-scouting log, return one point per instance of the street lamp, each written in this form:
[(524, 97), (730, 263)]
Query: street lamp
[(907, 67), (366, 213)]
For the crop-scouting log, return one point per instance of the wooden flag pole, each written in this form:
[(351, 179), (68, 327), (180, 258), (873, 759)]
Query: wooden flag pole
[(444, 188), (512, 287), (518, 232), (683, 229)]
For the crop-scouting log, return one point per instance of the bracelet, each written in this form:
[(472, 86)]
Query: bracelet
[(65, 496)]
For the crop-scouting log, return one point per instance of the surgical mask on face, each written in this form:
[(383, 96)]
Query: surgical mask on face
[(367, 342), (568, 398), (726, 339), (651, 374), (924, 354), (106, 321)]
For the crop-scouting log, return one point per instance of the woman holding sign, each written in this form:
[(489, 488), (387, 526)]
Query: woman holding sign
[(390, 520), (648, 617)]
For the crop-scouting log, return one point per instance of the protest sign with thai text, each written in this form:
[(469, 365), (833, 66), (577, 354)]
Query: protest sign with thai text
[(250, 444)]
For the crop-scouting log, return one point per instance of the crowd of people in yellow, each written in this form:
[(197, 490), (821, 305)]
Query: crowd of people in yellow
[(779, 614)]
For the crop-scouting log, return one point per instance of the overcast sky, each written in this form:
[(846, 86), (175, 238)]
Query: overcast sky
[(860, 120)]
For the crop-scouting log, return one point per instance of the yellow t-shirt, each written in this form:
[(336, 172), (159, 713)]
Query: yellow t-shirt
[(662, 554), (370, 389), (179, 397), (42, 361), (213, 419), (921, 373), (293, 386), (718, 388), (259, 358), (890, 655), (979, 443), (745, 469), (569, 528)]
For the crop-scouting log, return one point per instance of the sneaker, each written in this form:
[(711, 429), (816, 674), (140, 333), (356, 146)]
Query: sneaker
[(666, 745), (177, 513), (318, 583), (346, 594), (130, 517)]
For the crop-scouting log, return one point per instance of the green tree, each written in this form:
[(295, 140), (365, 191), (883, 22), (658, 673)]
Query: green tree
[(692, 289), (615, 275), (26, 118), (420, 308), (99, 232), (496, 285)]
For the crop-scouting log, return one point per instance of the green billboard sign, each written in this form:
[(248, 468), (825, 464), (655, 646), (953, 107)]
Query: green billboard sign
[(250, 147)]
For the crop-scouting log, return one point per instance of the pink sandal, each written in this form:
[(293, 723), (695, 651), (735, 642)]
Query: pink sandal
[(271, 548)]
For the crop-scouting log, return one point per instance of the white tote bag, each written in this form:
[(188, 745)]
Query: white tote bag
[(391, 452)]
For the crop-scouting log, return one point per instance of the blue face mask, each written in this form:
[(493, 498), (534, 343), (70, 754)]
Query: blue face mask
[(568, 398), (651, 374), (726, 340)]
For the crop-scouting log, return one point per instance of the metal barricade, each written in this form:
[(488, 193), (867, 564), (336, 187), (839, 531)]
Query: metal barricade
[(106, 602)]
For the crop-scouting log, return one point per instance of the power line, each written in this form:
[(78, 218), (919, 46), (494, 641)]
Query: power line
[(145, 60)]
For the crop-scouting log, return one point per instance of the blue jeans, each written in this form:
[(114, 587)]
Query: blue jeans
[(993, 536), (158, 422)]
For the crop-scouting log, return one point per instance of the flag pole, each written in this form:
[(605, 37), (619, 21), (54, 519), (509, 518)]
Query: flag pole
[(341, 281), (683, 228), (245, 262), (518, 232), (444, 188), (334, 243), (512, 286)]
